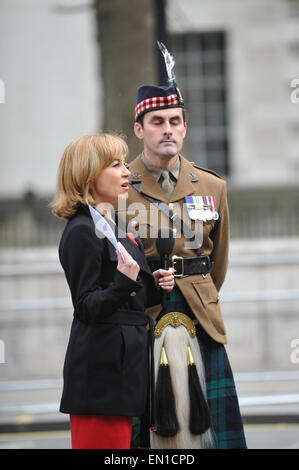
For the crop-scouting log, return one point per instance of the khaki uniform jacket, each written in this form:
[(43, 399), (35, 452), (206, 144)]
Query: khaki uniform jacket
[(201, 292)]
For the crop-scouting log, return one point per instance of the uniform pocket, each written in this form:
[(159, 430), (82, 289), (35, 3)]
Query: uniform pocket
[(205, 227), (209, 298)]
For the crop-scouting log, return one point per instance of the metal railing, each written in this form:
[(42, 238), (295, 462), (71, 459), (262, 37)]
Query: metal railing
[(233, 297), (56, 384), (37, 269), (254, 213), (16, 270)]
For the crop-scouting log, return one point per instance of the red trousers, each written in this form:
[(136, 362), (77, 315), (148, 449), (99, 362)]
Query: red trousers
[(100, 432)]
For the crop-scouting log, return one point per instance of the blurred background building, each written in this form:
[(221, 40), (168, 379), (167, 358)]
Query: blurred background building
[(72, 67)]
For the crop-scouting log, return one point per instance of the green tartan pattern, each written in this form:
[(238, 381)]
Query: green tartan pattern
[(222, 397), (221, 391)]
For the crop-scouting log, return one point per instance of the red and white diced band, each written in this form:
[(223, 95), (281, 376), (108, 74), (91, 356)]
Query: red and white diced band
[(156, 102)]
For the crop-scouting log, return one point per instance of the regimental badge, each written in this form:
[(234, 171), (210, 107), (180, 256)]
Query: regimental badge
[(202, 208)]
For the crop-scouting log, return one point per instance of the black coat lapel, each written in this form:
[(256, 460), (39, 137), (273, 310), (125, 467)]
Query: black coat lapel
[(135, 251), (120, 229)]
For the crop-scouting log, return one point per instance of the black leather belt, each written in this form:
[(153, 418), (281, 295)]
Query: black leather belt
[(186, 266)]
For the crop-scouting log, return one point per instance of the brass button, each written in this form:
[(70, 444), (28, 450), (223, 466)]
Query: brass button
[(218, 298), (132, 294), (170, 205), (133, 223)]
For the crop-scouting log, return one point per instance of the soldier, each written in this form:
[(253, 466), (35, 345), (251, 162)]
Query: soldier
[(168, 190)]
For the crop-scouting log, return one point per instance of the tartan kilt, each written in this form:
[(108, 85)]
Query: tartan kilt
[(227, 425)]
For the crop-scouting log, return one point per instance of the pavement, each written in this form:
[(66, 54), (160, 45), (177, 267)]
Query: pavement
[(258, 436), (266, 398)]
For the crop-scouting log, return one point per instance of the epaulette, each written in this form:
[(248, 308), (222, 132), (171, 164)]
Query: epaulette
[(207, 170)]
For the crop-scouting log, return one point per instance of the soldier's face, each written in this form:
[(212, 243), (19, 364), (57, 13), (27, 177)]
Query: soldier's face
[(163, 133)]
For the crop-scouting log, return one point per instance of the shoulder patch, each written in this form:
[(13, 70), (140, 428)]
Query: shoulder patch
[(207, 170)]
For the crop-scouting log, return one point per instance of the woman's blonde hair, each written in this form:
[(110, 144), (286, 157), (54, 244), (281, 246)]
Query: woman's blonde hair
[(81, 161)]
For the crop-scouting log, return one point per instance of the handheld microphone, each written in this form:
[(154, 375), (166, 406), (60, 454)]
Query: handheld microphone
[(164, 245)]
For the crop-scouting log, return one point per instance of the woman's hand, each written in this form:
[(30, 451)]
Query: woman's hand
[(126, 264), (164, 279)]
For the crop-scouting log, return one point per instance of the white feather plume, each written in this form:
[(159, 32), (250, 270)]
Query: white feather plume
[(169, 62)]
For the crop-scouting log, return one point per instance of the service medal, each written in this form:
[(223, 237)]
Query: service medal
[(193, 214), (191, 207), (202, 208), (202, 215), (209, 214), (210, 205)]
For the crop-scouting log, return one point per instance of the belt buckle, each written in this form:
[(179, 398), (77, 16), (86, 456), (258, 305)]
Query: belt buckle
[(174, 260)]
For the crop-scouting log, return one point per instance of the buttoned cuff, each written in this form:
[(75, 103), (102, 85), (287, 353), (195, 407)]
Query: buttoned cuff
[(125, 284)]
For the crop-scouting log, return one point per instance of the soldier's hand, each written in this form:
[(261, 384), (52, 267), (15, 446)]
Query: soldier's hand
[(164, 279)]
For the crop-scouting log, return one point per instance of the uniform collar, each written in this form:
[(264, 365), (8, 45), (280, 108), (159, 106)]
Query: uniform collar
[(184, 186), (156, 171)]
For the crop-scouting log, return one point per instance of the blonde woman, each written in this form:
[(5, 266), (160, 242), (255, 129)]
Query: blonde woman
[(106, 364)]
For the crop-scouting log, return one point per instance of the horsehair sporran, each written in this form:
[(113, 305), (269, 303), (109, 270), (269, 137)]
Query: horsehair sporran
[(176, 342)]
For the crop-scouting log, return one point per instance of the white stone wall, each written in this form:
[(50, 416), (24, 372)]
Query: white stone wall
[(263, 60), (48, 64), (50, 86), (259, 301)]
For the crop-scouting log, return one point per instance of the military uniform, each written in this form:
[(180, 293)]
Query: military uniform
[(202, 291), (197, 295), (195, 395)]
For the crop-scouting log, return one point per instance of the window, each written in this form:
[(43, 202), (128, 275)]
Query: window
[(200, 69)]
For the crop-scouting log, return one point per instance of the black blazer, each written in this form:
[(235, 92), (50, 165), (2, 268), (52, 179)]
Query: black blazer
[(106, 364)]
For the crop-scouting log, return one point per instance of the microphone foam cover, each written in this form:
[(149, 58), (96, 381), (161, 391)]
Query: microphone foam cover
[(165, 241)]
